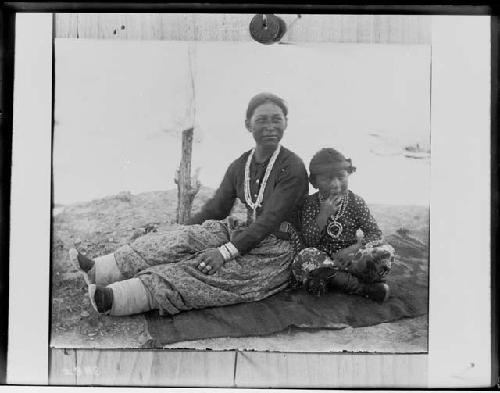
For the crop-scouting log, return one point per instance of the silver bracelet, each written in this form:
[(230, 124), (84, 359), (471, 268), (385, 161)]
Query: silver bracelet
[(233, 251), (225, 253)]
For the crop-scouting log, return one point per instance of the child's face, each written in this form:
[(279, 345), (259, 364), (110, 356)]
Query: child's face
[(333, 183)]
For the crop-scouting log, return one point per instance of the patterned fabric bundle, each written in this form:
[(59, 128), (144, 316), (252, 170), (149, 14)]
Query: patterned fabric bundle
[(369, 264)]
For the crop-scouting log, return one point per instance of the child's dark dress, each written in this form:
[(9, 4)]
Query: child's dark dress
[(356, 216), (321, 248)]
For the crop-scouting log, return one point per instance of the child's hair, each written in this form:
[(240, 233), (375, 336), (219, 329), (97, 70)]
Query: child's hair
[(328, 160)]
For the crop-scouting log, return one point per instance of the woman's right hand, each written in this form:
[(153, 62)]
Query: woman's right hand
[(210, 261)]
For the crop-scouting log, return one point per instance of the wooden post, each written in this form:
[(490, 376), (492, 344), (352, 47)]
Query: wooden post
[(187, 188)]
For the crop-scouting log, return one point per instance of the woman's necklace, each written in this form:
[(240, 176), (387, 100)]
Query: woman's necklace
[(260, 197), (334, 228)]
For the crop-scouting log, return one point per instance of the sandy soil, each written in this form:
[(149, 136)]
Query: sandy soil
[(102, 225)]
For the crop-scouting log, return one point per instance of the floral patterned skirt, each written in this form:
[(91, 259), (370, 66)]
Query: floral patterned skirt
[(166, 263)]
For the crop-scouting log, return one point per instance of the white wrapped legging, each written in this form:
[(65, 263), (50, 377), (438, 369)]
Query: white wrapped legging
[(129, 296)]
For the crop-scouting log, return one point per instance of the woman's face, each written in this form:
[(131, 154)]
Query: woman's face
[(267, 125), (333, 183)]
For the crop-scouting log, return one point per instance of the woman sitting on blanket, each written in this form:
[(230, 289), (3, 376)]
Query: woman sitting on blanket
[(212, 262), (335, 258)]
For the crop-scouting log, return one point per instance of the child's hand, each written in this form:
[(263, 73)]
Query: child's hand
[(331, 205), (328, 207)]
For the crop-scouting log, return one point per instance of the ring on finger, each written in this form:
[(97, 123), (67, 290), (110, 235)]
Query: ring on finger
[(202, 264), (208, 267)]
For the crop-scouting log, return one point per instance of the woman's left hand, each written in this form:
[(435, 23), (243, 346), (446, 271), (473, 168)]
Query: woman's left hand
[(210, 261)]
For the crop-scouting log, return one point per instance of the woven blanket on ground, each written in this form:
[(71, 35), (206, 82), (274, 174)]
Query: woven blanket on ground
[(408, 281)]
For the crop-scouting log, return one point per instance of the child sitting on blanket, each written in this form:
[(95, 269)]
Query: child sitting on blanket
[(334, 257)]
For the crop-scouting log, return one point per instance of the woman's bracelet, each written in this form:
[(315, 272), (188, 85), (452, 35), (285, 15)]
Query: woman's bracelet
[(232, 249), (228, 251), (225, 253)]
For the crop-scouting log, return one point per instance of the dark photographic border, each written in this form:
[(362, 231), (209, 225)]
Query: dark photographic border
[(7, 35)]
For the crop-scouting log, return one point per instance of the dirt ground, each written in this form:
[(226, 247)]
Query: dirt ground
[(100, 226)]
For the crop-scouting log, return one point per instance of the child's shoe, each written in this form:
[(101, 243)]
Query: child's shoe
[(319, 280), (378, 292)]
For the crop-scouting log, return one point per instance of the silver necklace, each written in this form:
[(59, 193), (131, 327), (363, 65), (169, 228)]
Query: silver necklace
[(334, 227), (260, 197)]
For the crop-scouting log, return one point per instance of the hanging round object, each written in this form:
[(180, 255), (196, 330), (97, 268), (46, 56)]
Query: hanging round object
[(282, 29), (267, 28)]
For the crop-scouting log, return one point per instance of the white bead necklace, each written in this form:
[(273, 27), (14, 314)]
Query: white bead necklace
[(260, 197), (334, 228)]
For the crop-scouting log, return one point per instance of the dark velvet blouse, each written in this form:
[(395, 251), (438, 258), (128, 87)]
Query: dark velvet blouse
[(284, 195), (356, 216)]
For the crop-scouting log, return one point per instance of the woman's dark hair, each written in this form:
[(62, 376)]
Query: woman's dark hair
[(327, 160), (262, 98)]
